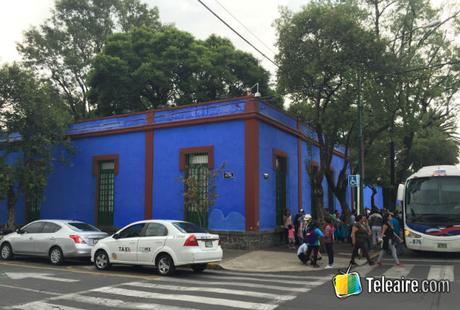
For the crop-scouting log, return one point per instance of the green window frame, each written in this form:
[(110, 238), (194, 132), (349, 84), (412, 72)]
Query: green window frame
[(197, 188), (106, 195)]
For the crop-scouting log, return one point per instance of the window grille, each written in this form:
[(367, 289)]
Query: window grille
[(106, 193), (196, 189)]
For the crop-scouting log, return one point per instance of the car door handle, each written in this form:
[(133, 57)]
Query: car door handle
[(52, 238), (30, 238)]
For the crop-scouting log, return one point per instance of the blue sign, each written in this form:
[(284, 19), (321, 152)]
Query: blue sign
[(353, 180)]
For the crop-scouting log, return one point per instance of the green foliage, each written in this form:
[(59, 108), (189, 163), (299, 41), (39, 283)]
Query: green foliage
[(145, 68), (34, 120), (323, 49), (65, 45)]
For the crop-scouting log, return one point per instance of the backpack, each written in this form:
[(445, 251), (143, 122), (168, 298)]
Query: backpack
[(310, 236)]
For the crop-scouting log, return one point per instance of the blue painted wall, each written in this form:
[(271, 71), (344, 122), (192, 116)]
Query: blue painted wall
[(71, 191), (228, 212), (367, 193), (271, 138)]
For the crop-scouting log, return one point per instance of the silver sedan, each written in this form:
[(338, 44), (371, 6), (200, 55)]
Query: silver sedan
[(55, 239)]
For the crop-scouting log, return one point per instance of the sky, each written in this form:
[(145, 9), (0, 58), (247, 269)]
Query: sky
[(258, 16)]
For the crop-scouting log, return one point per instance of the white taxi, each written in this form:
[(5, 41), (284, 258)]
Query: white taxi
[(162, 243)]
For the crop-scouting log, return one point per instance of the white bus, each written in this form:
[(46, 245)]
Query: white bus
[(431, 209)]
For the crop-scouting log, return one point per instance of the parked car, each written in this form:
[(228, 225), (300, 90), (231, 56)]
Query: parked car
[(55, 239), (165, 244)]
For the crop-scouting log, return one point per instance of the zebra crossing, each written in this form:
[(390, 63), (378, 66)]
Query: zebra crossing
[(429, 272), (212, 289)]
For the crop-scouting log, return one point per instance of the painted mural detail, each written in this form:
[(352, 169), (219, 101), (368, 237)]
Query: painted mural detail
[(196, 112)]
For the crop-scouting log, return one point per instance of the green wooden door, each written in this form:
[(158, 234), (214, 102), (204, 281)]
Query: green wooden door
[(196, 209), (281, 174), (106, 193)]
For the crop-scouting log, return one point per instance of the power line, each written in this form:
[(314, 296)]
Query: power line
[(247, 29), (237, 33)]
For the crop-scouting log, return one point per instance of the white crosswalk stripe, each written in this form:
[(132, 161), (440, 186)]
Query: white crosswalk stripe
[(441, 272), (215, 289), (398, 271)]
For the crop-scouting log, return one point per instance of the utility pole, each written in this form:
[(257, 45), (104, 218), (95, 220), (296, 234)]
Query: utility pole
[(360, 208)]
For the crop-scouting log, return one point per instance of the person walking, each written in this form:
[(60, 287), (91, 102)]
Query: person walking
[(298, 219), (287, 220), (329, 230), (375, 222), (359, 237), (389, 239), (312, 240)]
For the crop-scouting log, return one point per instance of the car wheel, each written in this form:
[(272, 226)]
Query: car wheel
[(165, 265), (101, 260), (199, 267), (6, 251), (56, 257)]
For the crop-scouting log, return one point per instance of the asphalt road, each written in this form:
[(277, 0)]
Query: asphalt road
[(33, 284)]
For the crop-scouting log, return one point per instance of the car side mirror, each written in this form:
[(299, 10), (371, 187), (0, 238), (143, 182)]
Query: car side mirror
[(116, 236), (20, 231)]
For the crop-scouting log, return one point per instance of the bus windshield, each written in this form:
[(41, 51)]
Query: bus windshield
[(433, 200)]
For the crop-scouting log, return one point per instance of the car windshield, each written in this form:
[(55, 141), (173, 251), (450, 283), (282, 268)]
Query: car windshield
[(186, 227), (82, 226), (433, 200)]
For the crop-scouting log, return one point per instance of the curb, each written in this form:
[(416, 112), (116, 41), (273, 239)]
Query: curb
[(215, 266)]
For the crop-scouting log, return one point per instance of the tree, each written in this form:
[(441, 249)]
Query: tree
[(323, 50), (34, 120), (65, 45), (144, 68), (425, 82)]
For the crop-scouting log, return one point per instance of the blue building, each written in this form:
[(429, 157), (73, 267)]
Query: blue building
[(131, 167)]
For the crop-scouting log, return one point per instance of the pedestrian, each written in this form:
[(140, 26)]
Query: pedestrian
[(287, 220), (359, 237), (329, 241), (297, 223), (312, 240), (375, 222), (389, 239), (291, 236), (301, 253)]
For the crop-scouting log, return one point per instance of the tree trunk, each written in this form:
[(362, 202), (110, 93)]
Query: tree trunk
[(10, 202)]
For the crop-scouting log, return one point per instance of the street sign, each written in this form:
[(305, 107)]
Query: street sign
[(353, 180), (41, 276)]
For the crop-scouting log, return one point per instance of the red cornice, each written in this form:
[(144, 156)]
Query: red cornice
[(249, 114), (165, 109)]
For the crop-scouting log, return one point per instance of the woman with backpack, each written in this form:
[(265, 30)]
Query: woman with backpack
[(312, 236), (389, 240)]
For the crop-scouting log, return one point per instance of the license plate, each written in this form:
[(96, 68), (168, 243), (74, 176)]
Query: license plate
[(442, 245), (208, 244)]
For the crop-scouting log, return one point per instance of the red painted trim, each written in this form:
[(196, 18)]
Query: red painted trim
[(96, 160), (299, 170), (148, 199), (279, 153), (251, 155), (199, 149), (249, 114), (165, 109)]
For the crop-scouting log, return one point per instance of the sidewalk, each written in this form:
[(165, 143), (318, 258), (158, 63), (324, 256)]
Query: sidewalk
[(282, 259)]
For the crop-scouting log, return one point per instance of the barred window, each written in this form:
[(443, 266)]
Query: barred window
[(106, 192)]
